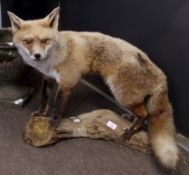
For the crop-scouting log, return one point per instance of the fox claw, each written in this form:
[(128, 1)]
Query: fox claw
[(53, 123), (127, 134), (38, 113)]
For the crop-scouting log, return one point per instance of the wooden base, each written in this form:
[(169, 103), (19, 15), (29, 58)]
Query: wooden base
[(98, 124)]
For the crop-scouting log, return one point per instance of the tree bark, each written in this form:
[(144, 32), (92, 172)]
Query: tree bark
[(98, 124)]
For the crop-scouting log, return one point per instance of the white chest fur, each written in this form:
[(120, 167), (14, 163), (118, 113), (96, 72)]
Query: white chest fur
[(46, 67), (53, 74), (48, 70)]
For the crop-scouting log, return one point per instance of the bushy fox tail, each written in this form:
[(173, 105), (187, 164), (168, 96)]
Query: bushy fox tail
[(161, 129)]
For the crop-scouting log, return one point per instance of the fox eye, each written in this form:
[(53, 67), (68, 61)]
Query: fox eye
[(45, 41), (28, 41)]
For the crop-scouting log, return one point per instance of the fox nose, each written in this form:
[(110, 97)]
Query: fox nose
[(37, 56)]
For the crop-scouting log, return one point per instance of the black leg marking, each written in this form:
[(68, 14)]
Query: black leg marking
[(57, 102), (52, 99), (58, 108), (135, 127), (44, 100)]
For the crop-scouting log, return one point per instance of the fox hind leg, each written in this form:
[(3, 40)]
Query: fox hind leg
[(130, 93), (138, 123)]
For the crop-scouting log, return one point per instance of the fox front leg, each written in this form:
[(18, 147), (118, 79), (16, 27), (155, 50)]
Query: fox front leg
[(57, 102), (59, 107), (44, 100)]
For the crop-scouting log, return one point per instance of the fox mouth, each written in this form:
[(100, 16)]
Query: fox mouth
[(41, 59), (37, 59)]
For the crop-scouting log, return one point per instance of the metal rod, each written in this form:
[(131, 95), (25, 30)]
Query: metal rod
[(129, 114)]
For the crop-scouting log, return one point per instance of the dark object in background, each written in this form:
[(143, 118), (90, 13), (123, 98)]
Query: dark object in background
[(160, 28), (12, 70)]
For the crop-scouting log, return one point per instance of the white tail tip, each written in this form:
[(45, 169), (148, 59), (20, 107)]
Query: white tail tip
[(167, 152)]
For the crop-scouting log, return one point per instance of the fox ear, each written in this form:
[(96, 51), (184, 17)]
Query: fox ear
[(53, 17), (16, 22)]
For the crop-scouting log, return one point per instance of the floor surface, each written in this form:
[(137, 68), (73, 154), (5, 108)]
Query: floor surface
[(75, 156)]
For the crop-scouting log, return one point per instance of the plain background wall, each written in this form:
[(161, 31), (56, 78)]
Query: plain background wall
[(160, 28), (27, 9), (0, 16)]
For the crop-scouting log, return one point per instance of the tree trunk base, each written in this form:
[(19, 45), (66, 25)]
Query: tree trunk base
[(98, 124)]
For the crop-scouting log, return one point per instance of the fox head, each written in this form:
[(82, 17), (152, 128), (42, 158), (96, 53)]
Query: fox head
[(35, 38)]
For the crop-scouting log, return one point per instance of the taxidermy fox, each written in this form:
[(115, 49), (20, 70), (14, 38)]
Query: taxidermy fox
[(135, 81)]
